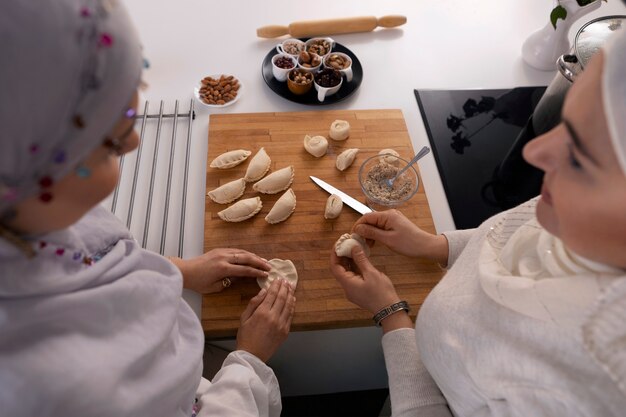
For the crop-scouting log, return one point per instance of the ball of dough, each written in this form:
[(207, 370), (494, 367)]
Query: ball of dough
[(339, 130)]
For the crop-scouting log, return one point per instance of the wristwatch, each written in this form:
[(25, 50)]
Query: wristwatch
[(387, 311)]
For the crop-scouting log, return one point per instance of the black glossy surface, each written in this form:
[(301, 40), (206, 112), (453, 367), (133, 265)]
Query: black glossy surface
[(470, 132), (310, 97)]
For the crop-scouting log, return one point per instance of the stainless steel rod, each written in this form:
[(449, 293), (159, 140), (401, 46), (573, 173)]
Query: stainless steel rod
[(151, 188), (131, 206), (165, 115), (169, 181), (117, 187), (181, 236)]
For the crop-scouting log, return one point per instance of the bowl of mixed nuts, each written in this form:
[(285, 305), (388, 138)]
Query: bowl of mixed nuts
[(219, 90), (299, 81)]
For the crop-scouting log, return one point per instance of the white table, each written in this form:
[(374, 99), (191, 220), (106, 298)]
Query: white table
[(444, 44)]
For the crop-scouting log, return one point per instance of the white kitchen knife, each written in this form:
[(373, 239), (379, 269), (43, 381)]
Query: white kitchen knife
[(356, 205)]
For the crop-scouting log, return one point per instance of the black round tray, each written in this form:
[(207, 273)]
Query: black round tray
[(310, 97)]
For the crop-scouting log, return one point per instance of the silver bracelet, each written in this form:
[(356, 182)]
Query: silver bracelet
[(387, 311)]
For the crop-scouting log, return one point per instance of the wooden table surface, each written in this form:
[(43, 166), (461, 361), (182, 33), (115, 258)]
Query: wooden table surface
[(306, 237)]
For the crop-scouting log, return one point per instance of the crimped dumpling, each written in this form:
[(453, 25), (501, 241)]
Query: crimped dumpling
[(346, 158), (281, 268), (258, 166), (275, 182), (283, 208), (315, 145), (241, 210), (339, 130), (345, 243), (228, 192), (333, 207), (230, 159)]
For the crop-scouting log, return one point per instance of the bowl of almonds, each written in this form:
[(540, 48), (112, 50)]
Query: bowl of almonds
[(219, 90)]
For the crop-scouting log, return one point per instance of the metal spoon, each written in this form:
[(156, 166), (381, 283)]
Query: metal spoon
[(424, 151)]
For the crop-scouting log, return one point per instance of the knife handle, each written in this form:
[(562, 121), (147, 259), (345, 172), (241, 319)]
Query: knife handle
[(308, 28)]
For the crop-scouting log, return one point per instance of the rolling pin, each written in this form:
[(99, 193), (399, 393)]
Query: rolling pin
[(308, 28)]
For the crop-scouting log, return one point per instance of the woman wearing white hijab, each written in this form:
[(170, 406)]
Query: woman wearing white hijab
[(91, 324), (530, 319)]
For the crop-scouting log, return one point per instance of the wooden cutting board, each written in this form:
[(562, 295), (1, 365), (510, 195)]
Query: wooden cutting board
[(306, 237)]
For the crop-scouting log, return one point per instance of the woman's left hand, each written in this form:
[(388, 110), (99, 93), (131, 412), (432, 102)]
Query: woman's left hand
[(206, 273)]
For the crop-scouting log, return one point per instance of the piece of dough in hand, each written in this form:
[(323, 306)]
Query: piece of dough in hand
[(345, 243), (280, 268)]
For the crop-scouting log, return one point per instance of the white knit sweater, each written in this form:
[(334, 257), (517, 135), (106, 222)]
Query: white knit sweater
[(488, 360)]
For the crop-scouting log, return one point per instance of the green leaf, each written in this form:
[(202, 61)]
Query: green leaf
[(557, 13)]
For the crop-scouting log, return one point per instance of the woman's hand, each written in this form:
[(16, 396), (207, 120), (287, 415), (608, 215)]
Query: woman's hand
[(204, 273), (362, 283), (266, 321), (394, 230)]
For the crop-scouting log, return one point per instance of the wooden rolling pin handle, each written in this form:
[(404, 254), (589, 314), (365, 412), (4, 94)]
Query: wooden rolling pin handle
[(309, 28), (391, 21), (272, 31)]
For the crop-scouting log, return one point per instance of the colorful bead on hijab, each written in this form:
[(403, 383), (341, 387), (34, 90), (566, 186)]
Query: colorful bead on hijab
[(88, 88)]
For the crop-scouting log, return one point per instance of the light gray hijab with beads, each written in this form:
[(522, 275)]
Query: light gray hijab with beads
[(69, 68), (93, 325)]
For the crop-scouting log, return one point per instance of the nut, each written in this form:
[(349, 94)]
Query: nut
[(218, 91), (292, 48), (309, 60), (319, 46), (301, 77), (338, 61)]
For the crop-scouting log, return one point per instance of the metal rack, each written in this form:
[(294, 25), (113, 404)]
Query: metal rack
[(141, 160)]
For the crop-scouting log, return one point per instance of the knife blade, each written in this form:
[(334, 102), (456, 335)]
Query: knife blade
[(347, 200)]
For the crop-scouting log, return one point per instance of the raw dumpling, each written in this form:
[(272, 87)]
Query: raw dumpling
[(259, 165), (228, 192), (346, 158), (281, 268), (333, 207), (315, 145), (230, 159), (391, 156), (275, 182), (339, 130), (283, 208), (241, 210), (344, 245)]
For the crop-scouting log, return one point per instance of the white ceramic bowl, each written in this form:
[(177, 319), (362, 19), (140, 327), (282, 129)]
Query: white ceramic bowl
[(196, 93)]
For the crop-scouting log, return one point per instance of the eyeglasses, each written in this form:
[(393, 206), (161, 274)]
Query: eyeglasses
[(116, 144)]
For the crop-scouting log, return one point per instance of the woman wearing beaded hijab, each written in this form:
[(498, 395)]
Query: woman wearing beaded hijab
[(530, 319), (90, 323)]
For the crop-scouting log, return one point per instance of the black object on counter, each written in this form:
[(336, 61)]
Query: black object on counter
[(472, 132)]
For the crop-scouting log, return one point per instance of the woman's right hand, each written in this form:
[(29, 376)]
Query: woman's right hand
[(266, 321), (363, 284), (394, 230)]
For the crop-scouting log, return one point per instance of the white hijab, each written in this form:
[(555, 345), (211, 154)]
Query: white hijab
[(526, 269)]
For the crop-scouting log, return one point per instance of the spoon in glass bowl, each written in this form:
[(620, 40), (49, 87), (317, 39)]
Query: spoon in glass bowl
[(423, 152)]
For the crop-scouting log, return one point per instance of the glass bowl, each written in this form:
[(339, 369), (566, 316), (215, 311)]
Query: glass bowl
[(372, 175)]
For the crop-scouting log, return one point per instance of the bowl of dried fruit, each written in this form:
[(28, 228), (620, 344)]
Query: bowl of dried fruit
[(373, 175), (219, 90)]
